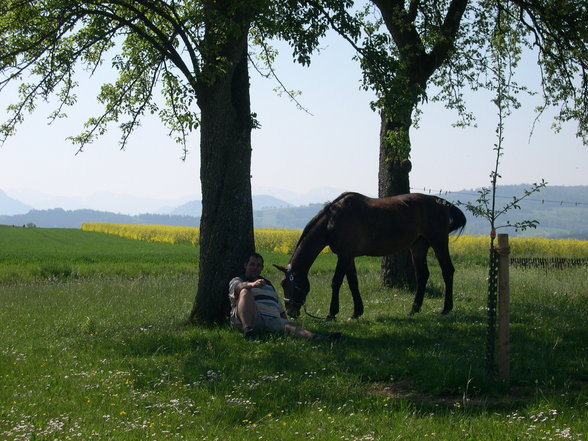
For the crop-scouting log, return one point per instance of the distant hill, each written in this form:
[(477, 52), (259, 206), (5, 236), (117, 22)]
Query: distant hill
[(11, 206), (561, 211), (59, 218), (260, 202), (192, 208), (291, 218)]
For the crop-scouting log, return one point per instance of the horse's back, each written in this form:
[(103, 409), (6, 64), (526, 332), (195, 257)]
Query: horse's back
[(361, 225)]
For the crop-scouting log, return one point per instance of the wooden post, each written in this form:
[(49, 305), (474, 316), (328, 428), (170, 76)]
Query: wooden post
[(503, 308)]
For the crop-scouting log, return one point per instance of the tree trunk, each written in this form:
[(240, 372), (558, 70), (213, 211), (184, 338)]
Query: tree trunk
[(403, 93), (226, 225), (397, 269)]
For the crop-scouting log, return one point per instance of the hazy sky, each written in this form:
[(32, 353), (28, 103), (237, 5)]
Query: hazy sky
[(335, 147)]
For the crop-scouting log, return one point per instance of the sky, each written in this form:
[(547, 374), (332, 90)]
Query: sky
[(334, 144)]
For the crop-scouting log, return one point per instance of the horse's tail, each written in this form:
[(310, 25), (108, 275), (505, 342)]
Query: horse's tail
[(457, 220)]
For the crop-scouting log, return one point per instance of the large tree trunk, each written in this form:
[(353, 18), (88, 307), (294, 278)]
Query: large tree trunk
[(397, 269), (403, 94), (226, 226)]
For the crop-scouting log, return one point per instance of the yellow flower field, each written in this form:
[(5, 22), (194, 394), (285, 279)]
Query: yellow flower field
[(280, 241), (521, 246), (284, 241), (149, 233)]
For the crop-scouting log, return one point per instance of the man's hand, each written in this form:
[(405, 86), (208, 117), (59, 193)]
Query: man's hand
[(259, 283)]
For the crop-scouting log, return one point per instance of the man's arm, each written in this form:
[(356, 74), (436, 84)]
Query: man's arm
[(238, 287)]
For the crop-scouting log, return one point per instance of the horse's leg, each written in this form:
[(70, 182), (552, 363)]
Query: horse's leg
[(447, 269), (354, 287), (335, 287), (418, 251)]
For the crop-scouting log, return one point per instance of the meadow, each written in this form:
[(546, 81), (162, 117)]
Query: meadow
[(94, 345)]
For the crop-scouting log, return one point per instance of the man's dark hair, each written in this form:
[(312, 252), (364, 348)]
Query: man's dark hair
[(256, 255)]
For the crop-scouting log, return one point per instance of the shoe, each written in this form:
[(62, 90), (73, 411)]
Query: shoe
[(249, 333), (330, 336)]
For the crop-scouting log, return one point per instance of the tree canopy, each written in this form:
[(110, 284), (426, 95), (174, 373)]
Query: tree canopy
[(156, 47), (405, 47)]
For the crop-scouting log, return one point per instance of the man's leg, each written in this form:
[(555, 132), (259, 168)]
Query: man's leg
[(296, 330), (293, 328), (246, 312)]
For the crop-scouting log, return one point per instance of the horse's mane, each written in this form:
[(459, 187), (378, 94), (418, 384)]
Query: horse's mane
[(327, 211)]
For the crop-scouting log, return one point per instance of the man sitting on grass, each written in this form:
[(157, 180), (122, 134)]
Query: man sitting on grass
[(256, 307)]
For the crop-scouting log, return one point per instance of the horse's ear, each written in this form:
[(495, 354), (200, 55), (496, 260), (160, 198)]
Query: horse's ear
[(281, 268)]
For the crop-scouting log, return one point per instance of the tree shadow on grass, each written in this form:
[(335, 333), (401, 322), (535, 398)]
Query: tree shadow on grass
[(429, 360)]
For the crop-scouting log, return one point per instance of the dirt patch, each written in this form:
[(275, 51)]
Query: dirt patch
[(405, 389)]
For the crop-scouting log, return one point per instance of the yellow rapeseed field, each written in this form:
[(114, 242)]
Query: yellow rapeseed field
[(149, 233), (280, 241), (284, 241), (522, 246)]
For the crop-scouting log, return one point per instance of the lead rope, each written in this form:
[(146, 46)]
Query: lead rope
[(293, 282), (313, 316)]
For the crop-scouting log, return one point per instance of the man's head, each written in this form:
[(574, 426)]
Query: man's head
[(253, 266)]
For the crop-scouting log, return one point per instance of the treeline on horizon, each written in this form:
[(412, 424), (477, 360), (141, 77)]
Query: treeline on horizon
[(561, 212)]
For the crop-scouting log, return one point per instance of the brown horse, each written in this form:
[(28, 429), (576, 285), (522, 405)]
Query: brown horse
[(355, 225)]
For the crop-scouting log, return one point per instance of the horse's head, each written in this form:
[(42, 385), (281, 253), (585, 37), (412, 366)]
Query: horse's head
[(295, 288)]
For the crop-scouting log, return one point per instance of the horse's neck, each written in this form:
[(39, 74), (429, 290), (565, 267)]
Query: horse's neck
[(308, 249)]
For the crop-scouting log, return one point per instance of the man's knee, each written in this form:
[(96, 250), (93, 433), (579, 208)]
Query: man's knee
[(246, 296)]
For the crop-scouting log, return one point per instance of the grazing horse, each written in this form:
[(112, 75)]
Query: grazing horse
[(355, 225)]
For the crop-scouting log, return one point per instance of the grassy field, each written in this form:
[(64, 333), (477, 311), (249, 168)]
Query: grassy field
[(29, 254), (93, 345)]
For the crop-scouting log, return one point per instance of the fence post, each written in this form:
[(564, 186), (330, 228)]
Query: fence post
[(503, 250)]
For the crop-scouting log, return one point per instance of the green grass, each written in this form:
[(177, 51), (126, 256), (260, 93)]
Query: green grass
[(103, 353), (63, 254)]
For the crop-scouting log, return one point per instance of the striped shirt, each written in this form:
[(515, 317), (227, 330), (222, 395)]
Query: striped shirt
[(266, 298)]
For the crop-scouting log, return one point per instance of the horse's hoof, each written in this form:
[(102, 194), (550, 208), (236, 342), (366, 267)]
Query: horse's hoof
[(445, 311), (355, 316), (414, 309), (330, 318)]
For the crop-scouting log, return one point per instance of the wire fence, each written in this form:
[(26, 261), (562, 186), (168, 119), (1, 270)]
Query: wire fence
[(473, 193), (547, 262)]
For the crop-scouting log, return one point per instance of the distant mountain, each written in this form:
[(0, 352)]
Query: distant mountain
[(314, 196), (99, 201), (192, 208), (260, 202), (291, 218), (561, 211), (266, 202), (9, 206)]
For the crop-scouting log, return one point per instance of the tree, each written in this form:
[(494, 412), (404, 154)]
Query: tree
[(485, 206), (406, 46), (169, 56)]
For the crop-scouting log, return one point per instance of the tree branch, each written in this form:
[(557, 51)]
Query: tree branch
[(162, 43)]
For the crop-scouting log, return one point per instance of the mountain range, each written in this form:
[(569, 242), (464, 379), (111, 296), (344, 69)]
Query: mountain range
[(10, 206), (21, 201), (260, 202), (562, 212)]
